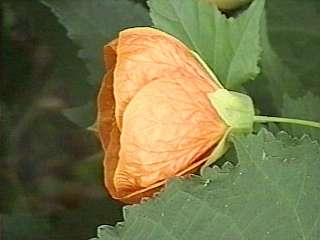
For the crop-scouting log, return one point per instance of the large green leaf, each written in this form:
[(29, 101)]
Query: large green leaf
[(230, 46), (305, 107), (92, 24), (275, 77), (273, 194)]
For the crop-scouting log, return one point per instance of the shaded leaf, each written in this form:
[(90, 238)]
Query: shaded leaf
[(288, 67), (84, 116), (231, 47), (273, 194), (276, 77), (305, 107), (298, 21), (77, 223), (92, 24)]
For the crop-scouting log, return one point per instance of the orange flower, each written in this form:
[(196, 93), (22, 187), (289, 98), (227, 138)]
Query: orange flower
[(155, 119)]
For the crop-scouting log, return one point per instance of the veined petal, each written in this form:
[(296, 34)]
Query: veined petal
[(106, 106), (167, 126), (155, 120), (144, 55)]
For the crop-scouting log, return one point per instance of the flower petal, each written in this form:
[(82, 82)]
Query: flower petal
[(167, 127), (106, 105), (154, 118), (145, 55)]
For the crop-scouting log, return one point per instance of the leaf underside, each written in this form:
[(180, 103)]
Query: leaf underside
[(273, 194)]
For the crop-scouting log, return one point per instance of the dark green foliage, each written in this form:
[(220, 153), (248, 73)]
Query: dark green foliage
[(305, 106), (92, 24)]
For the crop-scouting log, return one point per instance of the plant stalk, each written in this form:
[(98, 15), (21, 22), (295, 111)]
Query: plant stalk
[(266, 119)]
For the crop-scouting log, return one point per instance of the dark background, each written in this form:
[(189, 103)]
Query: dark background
[(51, 182)]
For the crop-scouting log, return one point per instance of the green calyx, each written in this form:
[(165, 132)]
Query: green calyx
[(221, 148), (237, 112), (235, 109)]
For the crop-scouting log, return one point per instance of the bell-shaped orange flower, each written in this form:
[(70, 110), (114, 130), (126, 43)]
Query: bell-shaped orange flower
[(155, 119)]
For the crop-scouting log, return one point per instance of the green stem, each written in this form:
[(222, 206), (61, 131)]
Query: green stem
[(266, 119)]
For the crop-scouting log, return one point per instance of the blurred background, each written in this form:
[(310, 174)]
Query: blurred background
[(51, 183)]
